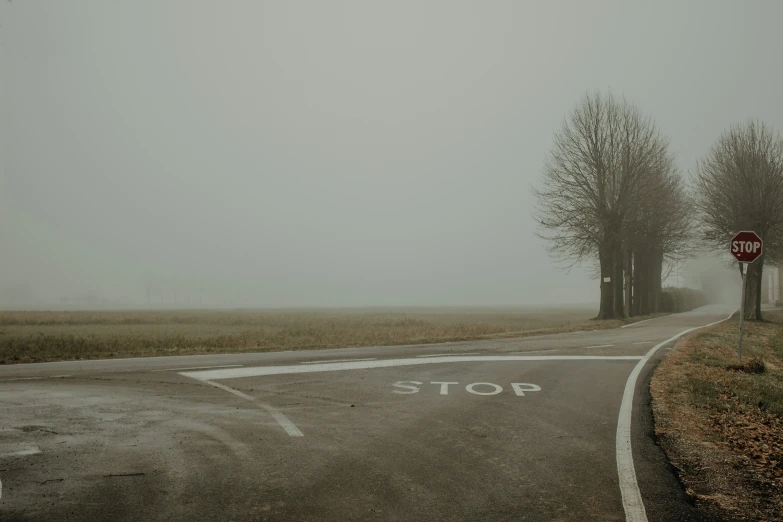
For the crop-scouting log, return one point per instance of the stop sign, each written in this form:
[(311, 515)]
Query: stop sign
[(746, 246)]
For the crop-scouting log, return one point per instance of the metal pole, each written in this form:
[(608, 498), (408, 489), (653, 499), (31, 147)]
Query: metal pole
[(743, 269)]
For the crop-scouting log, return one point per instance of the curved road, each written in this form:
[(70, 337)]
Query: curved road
[(547, 428)]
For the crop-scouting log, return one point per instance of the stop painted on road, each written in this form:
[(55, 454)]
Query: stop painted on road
[(476, 388)]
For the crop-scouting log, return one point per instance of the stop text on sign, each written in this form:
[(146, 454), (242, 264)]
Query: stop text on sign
[(476, 388), (746, 246)]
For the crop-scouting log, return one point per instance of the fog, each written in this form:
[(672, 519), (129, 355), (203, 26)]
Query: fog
[(281, 154), (717, 276)]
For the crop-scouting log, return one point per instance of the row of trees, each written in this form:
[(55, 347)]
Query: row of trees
[(739, 186), (612, 196)]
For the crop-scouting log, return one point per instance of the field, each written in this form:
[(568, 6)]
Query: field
[(52, 336)]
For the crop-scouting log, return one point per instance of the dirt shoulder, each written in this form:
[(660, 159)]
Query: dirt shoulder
[(721, 424)]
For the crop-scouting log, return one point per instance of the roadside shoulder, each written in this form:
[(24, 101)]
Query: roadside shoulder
[(721, 424)]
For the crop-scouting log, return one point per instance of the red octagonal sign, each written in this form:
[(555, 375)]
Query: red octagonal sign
[(746, 246)]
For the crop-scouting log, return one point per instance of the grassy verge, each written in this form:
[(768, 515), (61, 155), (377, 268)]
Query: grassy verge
[(55, 336), (721, 423)]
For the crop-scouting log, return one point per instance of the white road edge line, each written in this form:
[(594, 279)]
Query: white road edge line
[(600, 346), (644, 342), (629, 487), (197, 368), (281, 419), (337, 360)]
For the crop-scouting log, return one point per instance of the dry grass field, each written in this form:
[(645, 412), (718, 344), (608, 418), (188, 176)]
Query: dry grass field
[(53, 336)]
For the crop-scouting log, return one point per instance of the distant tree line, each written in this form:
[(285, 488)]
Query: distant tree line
[(612, 196)]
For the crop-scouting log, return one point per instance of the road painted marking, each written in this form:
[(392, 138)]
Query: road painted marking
[(520, 391), (471, 388), (197, 368), (30, 450), (644, 342), (258, 371), (600, 346), (411, 387), (406, 385), (281, 419), (209, 376), (432, 355), (337, 360), (444, 387), (629, 487)]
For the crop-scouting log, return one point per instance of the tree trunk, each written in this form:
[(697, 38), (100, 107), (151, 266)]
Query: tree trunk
[(606, 258), (628, 279), (617, 278), (640, 283), (649, 278), (759, 266), (752, 276), (645, 284), (656, 283)]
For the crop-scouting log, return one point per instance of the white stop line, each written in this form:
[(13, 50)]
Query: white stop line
[(259, 371)]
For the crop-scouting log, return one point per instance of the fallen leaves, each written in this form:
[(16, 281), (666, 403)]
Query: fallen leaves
[(752, 433)]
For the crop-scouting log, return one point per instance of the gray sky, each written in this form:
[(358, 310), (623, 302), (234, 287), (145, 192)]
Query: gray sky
[(335, 153)]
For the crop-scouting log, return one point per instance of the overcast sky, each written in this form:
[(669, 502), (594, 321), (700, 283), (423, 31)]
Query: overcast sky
[(332, 153)]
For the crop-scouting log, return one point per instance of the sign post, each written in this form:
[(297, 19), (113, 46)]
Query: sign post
[(746, 247), (743, 270)]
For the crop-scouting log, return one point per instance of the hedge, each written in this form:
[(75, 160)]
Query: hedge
[(681, 299)]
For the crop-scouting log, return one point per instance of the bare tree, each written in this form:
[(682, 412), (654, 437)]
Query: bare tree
[(604, 160), (738, 186)]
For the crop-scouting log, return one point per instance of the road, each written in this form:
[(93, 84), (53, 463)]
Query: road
[(548, 428)]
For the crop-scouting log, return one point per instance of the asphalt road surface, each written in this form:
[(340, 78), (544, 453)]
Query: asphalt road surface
[(547, 428)]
